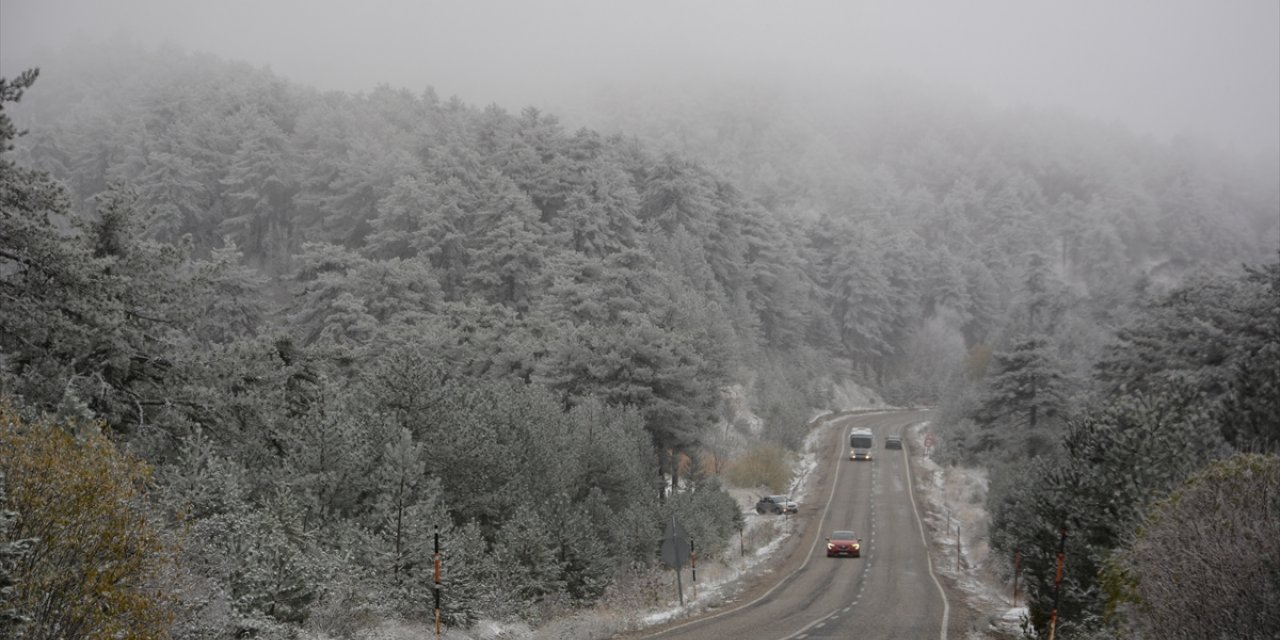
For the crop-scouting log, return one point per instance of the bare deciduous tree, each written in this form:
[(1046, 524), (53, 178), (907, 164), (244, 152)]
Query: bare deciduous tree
[(1206, 564)]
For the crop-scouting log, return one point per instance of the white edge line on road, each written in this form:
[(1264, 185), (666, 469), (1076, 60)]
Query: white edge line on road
[(822, 522), (946, 607), (835, 482)]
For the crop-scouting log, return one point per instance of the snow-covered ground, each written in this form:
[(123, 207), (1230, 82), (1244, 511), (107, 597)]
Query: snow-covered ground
[(954, 502), (763, 536), (653, 599)]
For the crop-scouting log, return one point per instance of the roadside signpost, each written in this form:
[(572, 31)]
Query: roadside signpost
[(676, 547)]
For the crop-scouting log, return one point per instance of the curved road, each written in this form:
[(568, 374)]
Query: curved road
[(890, 592)]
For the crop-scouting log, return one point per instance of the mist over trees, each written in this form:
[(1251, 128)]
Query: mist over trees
[(1084, 287), (335, 324)]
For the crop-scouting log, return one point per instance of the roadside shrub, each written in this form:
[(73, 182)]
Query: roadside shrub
[(94, 568), (1206, 561)]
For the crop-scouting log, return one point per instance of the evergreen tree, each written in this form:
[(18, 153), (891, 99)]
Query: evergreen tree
[(535, 570), (1114, 462), (675, 194), (259, 191), (92, 313), (1216, 335), (400, 478), (599, 217), (508, 250), (230, 302), (1249, 412), (1025, 389), (329, 456)]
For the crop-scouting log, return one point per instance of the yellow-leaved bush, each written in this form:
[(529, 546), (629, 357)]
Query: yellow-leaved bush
[(95, 565)]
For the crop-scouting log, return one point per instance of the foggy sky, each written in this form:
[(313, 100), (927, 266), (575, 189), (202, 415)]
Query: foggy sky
[(1210, 68)]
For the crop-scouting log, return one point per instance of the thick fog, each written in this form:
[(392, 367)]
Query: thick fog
[(1164, 68)]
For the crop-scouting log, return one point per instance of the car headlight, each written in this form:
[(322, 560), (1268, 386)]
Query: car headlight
[(856, 546), (830, 546)]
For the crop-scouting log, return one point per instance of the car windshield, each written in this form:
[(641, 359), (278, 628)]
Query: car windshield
[(779, 499), (842, 535)]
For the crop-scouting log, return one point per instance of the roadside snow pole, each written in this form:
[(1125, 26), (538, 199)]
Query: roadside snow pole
[(437, 557), (1057, 583), (693, 568)]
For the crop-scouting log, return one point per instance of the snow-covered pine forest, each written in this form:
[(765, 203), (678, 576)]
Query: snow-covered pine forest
[(264, 341)]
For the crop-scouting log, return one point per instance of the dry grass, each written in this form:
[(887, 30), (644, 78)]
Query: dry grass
[(764, 465)]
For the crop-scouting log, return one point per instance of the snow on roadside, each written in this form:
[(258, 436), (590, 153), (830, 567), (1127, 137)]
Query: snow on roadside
[(767, 534), (954, 501), (762, 538)]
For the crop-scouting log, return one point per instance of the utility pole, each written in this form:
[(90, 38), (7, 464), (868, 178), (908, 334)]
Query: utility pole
[(1057, 583)]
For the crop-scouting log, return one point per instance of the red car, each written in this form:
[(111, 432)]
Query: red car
[(844, 543)]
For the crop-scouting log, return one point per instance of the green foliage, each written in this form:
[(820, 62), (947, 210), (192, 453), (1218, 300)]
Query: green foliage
[(267, 557), (1195, 333), (11, 91), (1114, 462), (93, 321), (787, 388), (1249, 412), (1026, 392), (710, 516)]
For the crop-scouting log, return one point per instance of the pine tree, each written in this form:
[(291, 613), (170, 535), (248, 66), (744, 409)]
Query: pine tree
[(508, 248), (400, 477), (329, 455), (230, 301), (259, 191), (599, 217), (1026, 388), (1114, 461), (536, 570), (676, 194), (91, 313)]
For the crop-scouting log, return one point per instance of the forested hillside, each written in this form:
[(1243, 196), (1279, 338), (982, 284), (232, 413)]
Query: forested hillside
[(1112, 345), (333, 323), (330, 325)]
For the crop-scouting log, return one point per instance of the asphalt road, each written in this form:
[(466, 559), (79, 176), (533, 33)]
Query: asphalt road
[(888, 593)]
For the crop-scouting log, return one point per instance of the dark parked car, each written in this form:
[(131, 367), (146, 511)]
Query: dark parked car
[(893, 442), (844, 543), (776, 504)]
